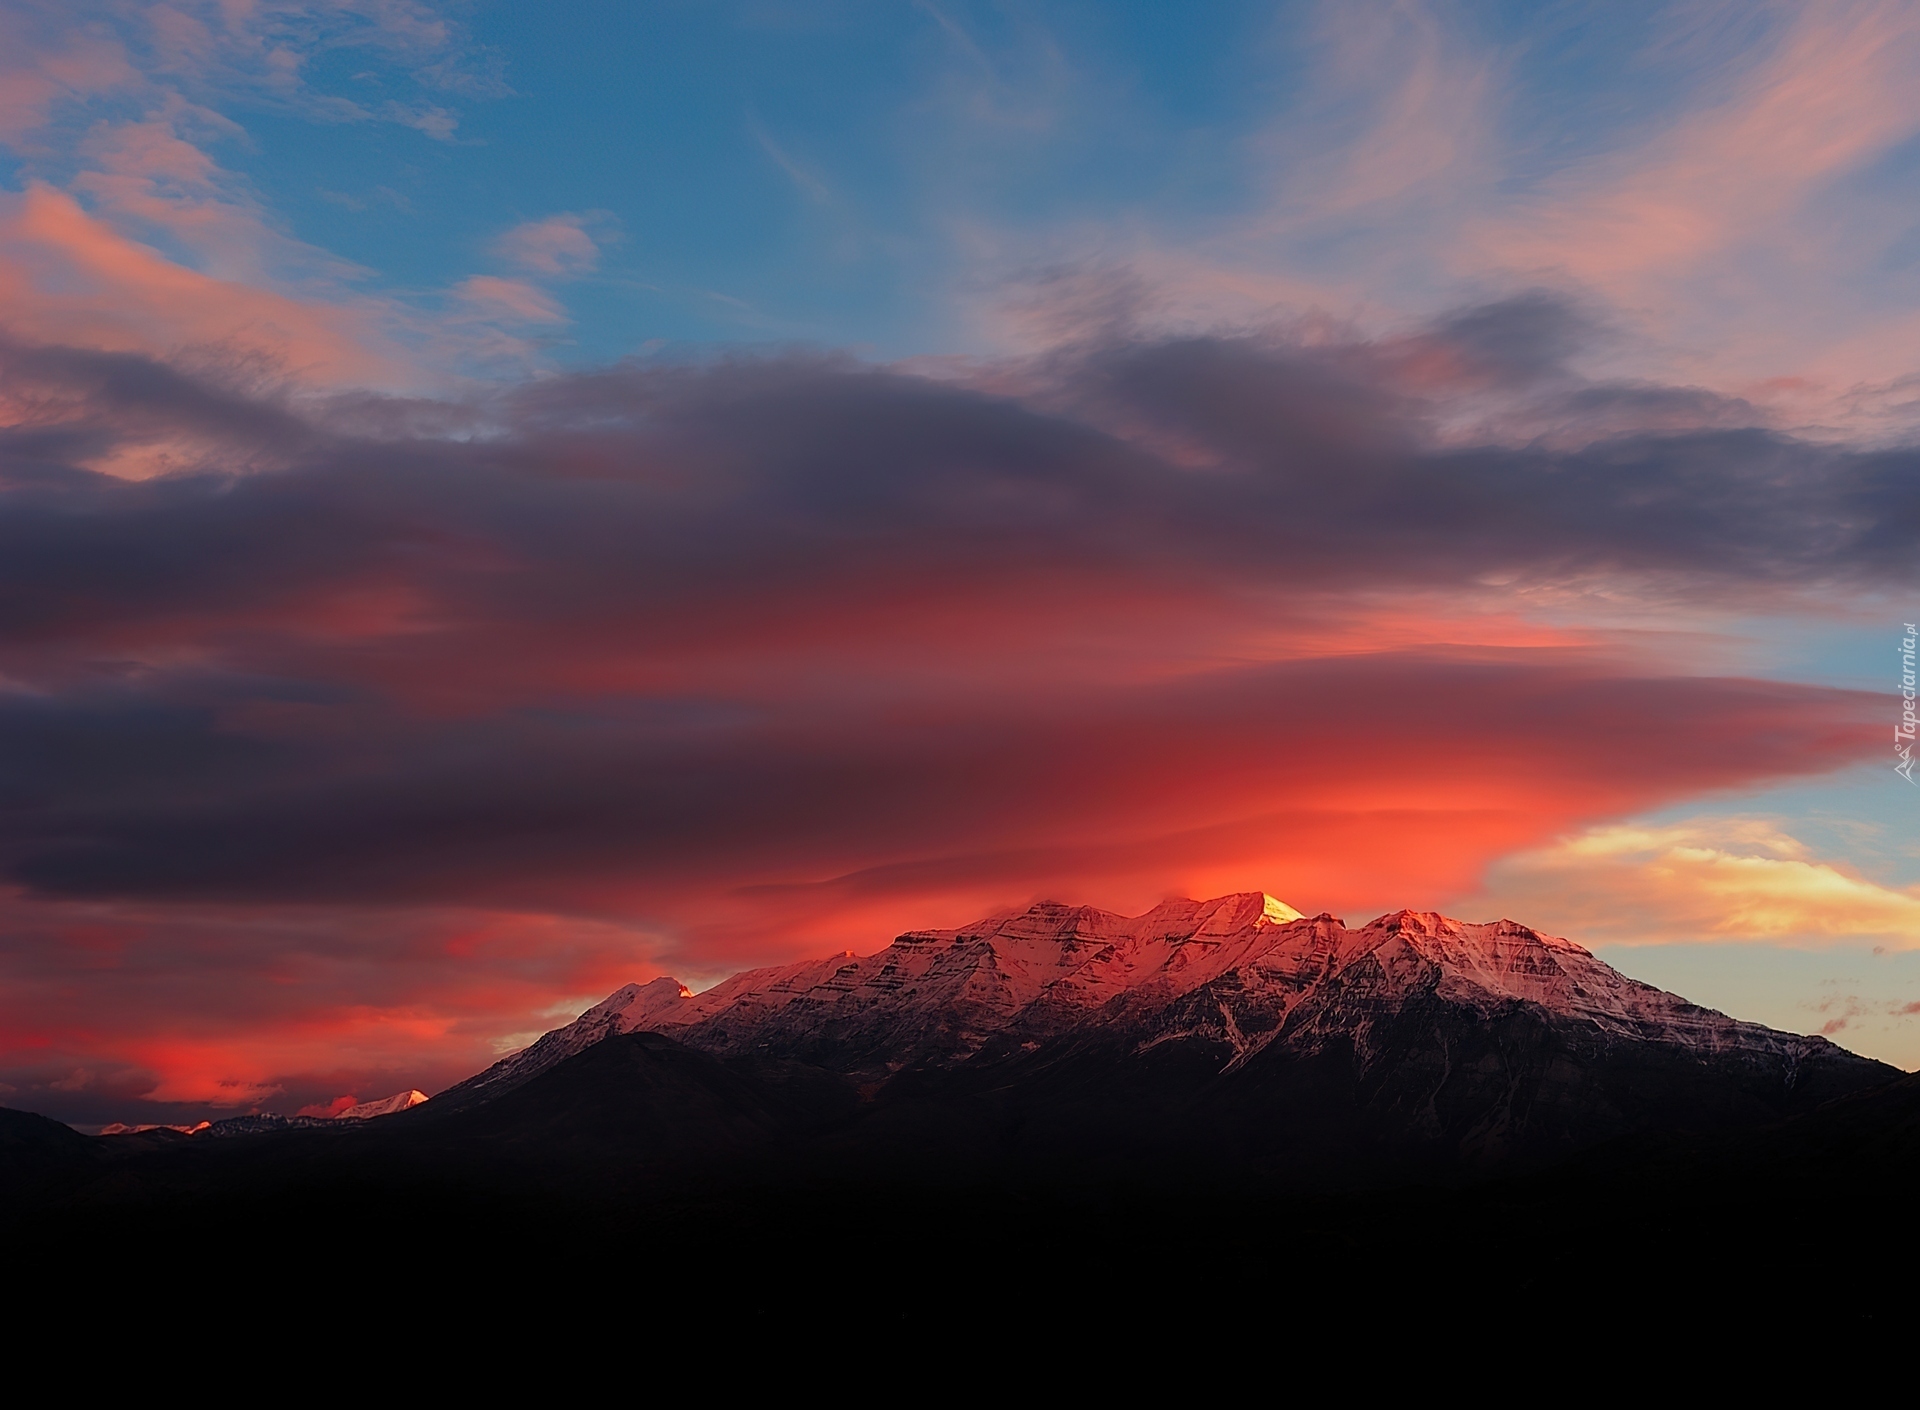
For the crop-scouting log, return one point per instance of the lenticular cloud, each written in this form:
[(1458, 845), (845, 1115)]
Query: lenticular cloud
[(754, 652)]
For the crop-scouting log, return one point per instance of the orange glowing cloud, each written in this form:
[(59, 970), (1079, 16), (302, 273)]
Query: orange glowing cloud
[(1712, 879), (221, 1009)]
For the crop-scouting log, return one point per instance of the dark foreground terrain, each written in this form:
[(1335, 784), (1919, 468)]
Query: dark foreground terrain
[(644, 1181)]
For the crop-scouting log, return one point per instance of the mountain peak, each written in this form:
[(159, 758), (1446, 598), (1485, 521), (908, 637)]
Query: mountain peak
[(1277, 910), (386, 1106), (659, 991)]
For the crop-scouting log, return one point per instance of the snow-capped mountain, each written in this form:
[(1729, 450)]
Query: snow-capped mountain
[(629, 1009), (258, 1123), (1414, 1010), (386, 1106)]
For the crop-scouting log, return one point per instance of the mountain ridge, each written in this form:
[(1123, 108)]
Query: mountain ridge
[(1236, 1021), (1231, 967)]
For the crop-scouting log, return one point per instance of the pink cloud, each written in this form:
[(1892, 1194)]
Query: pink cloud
[(172, 255), (558, 245), (513, 300), (264, 45), (1837, 91), (1421, 103), (69, 277), (146, 175), (39, 70), (1726, 245)]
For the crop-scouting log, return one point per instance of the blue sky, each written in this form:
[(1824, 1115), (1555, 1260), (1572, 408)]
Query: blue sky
[(874, 175)]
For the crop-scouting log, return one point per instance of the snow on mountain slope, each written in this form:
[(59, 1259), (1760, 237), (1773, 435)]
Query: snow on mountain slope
[(627, 1009), (386, 1106), (1242, 970)]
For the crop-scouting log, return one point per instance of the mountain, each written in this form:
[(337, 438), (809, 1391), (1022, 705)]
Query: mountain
[(1274, 1114), (1238, 1021), (260, 1123), (625, 1010), (386, 1106), (1212, 1042)]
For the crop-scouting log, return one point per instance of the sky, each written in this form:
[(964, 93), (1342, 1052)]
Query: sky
[(499, 502)]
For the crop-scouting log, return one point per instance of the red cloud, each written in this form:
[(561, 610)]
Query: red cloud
[(335, 773)]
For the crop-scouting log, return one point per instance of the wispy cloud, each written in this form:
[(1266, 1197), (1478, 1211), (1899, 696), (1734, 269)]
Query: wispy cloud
[(44, 62), (1400, 110), (556, 246), (514, 299), (803, 178), (1723, 233), (130, 235), (70, 277)]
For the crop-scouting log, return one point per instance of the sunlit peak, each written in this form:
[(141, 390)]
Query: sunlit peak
[(1278, 911)]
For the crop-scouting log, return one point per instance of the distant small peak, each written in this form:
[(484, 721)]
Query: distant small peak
[(386, 1106)]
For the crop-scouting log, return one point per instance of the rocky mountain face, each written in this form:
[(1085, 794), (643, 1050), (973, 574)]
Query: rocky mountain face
[(1235, 1023)]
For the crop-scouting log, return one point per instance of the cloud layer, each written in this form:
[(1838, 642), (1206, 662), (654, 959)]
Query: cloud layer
[(708, 664)]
